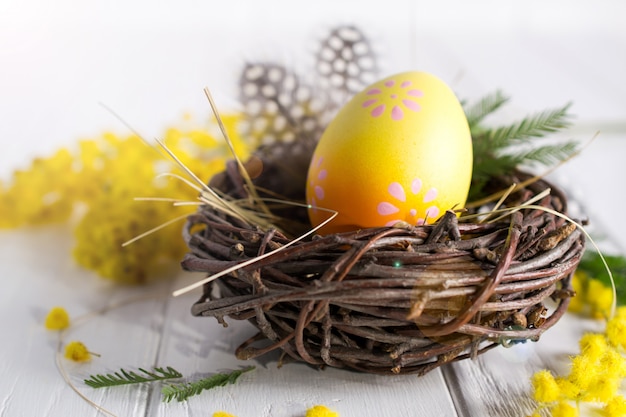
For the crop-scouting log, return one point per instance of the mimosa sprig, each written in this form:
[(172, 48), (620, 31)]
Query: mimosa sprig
[(124, 377), (180, 391)]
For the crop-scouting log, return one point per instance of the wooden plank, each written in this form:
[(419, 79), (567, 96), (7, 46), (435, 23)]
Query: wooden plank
[(39, 273), (497, 383)]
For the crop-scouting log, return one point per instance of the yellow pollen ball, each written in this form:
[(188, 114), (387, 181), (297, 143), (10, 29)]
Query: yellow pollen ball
[(77, 352), (222, 414), (57, 319), (321, 411), (545, 387)]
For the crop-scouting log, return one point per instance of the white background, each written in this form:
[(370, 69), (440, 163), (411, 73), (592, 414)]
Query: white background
[(150, 60)]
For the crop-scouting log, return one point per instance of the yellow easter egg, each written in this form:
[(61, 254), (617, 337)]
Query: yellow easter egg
[(399, 151)]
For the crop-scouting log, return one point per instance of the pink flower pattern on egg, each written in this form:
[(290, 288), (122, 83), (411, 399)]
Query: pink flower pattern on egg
[(396, 210), (393, 94), (318, 190), (396, 190)]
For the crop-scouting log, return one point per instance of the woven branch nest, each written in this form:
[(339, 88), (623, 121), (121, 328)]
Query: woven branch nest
[(389, 300)]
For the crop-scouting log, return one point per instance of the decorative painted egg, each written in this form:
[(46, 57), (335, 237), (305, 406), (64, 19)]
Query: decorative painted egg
[(399, 151)]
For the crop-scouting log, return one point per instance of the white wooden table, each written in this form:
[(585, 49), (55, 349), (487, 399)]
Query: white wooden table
[(150, 62)]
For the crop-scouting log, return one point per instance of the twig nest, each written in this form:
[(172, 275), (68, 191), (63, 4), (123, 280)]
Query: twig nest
[(390, 300)]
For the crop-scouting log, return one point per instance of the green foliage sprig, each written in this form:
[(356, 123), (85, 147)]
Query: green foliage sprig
[(484, 107), (183, 391), (180, 392), (124, 377), (500, 150)]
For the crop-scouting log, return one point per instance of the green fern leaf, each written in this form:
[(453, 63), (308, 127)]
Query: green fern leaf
[(535, 126), (484, 107), (499, 151), (546, 154), (182, 392), (124, 377)]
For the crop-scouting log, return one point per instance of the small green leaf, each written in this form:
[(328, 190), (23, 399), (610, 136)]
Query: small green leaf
[(547, 154), (499, 151), (484, 107), (183, 391), (124, 377), (534, 126)]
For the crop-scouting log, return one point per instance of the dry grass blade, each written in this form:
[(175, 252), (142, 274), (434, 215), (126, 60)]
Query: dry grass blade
[(242, 170), (257, 258), (155, 229), (508, 210), (499, 203)]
